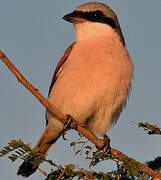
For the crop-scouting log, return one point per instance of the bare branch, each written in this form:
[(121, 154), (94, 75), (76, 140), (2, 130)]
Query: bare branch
[(61, 175), (43, 172), (74, 125)]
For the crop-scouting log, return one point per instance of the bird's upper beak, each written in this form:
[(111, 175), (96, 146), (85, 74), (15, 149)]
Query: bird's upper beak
[(74, 17)]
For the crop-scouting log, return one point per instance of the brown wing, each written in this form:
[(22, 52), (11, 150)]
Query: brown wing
[(58, 68), (60, 65)]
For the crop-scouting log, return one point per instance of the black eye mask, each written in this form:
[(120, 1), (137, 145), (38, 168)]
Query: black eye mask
[(96, 16)]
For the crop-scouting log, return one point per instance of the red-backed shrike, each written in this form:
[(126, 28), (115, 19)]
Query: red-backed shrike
[(92, 81)]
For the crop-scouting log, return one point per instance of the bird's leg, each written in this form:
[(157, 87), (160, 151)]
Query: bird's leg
[(106, 145), (67, 124)]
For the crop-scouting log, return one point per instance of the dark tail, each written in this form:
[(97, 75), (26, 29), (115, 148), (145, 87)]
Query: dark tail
[(48, 138), (27, 168)]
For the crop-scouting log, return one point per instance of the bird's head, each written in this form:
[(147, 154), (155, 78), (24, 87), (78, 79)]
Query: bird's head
[(94, 18)]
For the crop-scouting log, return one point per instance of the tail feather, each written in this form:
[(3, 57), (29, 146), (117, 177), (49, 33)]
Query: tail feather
[(48, 138), (27, 168)]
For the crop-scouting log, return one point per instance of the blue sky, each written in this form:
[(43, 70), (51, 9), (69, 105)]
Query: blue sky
[(34, 36)]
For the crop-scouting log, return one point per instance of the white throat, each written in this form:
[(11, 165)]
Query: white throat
[(90, 30)]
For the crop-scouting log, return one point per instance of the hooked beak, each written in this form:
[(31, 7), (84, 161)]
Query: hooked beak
[(74, 17)]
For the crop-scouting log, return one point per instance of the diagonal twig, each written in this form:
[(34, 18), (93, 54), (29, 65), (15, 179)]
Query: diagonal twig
[(43, 172)]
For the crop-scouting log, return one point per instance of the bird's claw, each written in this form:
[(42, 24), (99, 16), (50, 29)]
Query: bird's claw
[(67, 122), (67, 125), (63, 135), (106, 145)]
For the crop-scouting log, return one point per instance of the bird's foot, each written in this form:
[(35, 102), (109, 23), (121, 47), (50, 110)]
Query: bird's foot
[(63, 135), (69, 123), (106, 145)]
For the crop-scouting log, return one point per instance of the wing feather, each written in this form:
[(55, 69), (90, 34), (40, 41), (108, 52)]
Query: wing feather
[(60, 65), (58, 69)]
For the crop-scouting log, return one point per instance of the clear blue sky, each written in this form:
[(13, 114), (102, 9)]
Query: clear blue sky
[(34, 36)]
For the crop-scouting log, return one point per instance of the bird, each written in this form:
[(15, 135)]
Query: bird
[(92, 80)]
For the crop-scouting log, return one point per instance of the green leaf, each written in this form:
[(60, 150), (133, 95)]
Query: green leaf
[(77, 152), (88, 147), (13, 157), (72, 144)]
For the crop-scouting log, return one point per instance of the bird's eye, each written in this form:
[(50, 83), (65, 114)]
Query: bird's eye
[(97, 14)]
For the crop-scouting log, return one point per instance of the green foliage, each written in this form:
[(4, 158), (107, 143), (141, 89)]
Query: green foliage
[(151, 129), (126, 169), (82, 146), (131, 166), (99, 157), (20, 149), (23, 151), (71, 171)]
